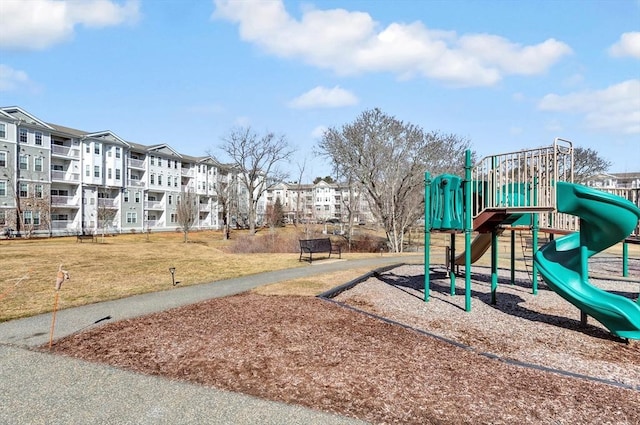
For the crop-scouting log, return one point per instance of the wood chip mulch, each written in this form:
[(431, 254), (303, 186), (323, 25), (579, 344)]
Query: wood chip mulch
[(315, 353)]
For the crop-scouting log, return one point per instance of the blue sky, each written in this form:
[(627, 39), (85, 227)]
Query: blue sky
[(507, 75)]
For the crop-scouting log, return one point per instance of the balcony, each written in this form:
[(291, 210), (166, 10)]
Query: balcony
[(107, 203), (136, 183), (64, 201), (64, 176), (136, 163), (187, 173), (204, 207), (61, 224), (154, 205), (66, 151)]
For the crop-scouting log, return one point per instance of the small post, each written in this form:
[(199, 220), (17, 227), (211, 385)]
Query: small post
[(172, 270), (452, 260), (468, 228), (61, 276), (494, 265), (625, 259), (513, 257)]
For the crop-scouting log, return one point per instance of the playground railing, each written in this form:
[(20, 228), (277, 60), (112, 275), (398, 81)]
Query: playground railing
[(523, 180)]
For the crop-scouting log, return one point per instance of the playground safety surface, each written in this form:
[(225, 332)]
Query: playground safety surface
[(343, 359)]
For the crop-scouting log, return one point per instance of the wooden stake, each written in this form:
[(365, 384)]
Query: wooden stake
[(53, 318)]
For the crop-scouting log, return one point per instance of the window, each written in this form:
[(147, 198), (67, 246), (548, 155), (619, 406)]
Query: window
[(137, 197), (37, 163), (126, 196), (109, 151), (96, 148), (23, 136), (175, 164), (88, 149), (117, 152), (169, 181), (24, 162), (3, 130), (3, 159), (173, 218), (152, 179), (160, 180), (170, 199), (3, 188), (3, 218), (118, 174), (27, 217), (38, 136), (87, 170), (168, 163), (175, 183), (153, 160), (132, 217), (24, 190), (96, 171), (38, 191), (36, 218), (109, 173)]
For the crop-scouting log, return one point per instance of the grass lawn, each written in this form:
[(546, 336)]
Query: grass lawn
[(130, 264)]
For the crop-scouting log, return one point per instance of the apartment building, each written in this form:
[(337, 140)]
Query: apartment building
[(317, 203), (56, 180)]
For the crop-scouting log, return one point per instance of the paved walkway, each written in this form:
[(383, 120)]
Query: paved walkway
[(40, 388)]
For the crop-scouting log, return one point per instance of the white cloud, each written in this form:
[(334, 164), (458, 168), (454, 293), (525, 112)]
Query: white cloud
[(318, 132), (322, 97), (628, 45), (12, 79), (39, 24), (615, 109), (352, 42)]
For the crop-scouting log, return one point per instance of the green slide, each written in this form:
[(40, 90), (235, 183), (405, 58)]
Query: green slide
[(605, 220)]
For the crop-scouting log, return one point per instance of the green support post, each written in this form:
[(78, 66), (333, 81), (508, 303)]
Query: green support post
[(513, 257), (534, 230), (494, 265), (467, 230), (625, 259), (452, 259), (427, 233)]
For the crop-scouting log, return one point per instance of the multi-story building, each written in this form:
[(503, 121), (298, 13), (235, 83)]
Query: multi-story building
[(322, 201), (56, 180)]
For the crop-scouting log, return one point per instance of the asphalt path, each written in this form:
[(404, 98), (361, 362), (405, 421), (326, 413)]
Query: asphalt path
[(37, 387)]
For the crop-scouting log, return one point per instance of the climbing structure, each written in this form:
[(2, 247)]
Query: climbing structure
[(529, 188)]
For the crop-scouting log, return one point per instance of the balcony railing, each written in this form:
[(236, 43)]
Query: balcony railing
[(64, 176), (186, 173), (205, 207), (68, 201), (67, 151), (136, 183), (136, 163), (107, 203), (153, 205), (61, 224)]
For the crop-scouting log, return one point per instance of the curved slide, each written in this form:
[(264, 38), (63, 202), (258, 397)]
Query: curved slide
[(605, 220)]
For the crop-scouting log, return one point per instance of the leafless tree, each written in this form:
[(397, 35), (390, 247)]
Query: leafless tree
[(226, 194), (256, 159), (587, 163), (388, 159), (187, 212)]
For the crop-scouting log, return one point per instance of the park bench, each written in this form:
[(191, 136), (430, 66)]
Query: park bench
[(80, 238), (313, 246)]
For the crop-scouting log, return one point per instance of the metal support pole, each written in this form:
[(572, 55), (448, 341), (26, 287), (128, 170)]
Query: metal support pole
[(452, 259), (467, 230), (625, 259), (513, 257), (494, 265), (427, 233)]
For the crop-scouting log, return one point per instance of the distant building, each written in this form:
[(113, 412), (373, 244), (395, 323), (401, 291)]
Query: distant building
[(320, 202)]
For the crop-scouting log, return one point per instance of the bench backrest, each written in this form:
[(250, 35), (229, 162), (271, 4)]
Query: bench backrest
[(316, 245)]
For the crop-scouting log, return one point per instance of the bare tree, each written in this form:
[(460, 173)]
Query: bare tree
[(256, 159), (187, 212), (388, 159), (226, 193), (587, 163)]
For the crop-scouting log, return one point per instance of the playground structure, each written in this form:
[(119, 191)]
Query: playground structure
[(533, 190)]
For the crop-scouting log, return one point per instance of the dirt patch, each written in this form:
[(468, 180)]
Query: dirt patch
[(318, 354)]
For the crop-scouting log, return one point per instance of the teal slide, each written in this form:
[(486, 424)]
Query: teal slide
[(605, 220)]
